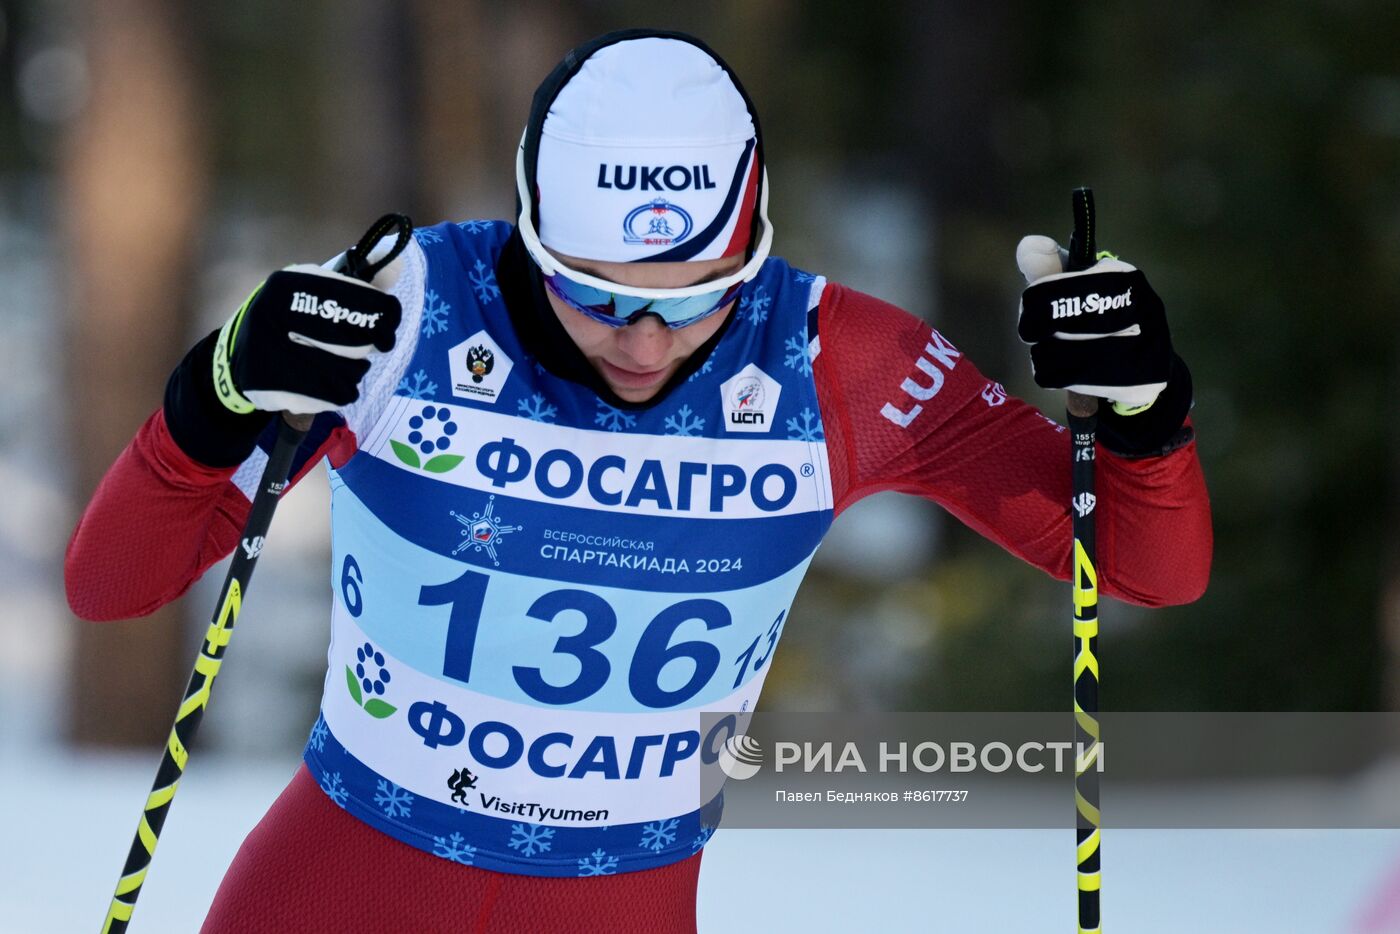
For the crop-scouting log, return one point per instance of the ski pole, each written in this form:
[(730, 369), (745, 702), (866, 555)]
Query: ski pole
[(291, 429), (1083, 424)]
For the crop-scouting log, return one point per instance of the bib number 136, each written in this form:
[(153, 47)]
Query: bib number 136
[(466, 595)]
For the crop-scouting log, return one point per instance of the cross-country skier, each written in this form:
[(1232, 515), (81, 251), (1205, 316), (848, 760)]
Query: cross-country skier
[(579, 464)]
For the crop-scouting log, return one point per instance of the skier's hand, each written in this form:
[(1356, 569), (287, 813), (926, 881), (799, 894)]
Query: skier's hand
[(1100, 331), (288, 348), (1103, 332), (301, 342)]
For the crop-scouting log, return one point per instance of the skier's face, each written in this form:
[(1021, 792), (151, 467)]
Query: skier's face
[(637, 360)]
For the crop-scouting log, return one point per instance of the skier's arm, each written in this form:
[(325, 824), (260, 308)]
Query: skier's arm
[(905, 410), (176, 499), (159, 519)]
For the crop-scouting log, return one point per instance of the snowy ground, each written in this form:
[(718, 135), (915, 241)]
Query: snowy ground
[(72, 817)]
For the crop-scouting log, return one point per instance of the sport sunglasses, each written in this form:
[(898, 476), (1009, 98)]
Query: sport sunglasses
[(608, 306)]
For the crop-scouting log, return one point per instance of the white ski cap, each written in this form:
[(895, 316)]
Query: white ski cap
[(648, 152)]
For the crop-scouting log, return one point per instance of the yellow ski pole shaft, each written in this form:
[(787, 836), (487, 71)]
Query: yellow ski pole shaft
[(1083, 425)]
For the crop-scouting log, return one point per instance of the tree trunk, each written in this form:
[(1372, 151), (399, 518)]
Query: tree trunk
[(134, 178), (478, 70)]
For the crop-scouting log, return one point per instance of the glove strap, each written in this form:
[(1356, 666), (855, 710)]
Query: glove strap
[(1157, 430), (228, 393)]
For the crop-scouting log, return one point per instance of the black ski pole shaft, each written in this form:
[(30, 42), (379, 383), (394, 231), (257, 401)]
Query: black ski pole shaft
[(291, 430), (1083, 425)]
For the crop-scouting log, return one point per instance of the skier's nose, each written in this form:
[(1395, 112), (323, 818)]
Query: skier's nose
[(646, 341)]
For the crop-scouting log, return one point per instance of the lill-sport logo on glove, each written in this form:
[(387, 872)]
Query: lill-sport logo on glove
[(332, 310), (1098, 332), (1091, 304)]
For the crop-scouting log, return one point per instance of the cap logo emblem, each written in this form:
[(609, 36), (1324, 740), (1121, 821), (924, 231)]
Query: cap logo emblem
[(656, 223)]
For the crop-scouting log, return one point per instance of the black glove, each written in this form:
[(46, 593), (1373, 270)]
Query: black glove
[(299, 344), (1102, 331)]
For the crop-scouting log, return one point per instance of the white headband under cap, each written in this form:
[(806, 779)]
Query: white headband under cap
[(648, 152)]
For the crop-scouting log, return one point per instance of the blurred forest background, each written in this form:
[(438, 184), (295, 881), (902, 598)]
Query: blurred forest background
[(159, 158)]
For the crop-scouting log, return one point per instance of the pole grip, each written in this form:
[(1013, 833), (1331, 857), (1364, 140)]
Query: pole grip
[(1082, 248), (1082, 253)]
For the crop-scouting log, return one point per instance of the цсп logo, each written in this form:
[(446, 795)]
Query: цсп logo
[(750, 400), (748, 395)]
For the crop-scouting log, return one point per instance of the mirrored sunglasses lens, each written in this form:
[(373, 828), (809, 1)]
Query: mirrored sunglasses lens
[(617, 310), (595, 303)]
